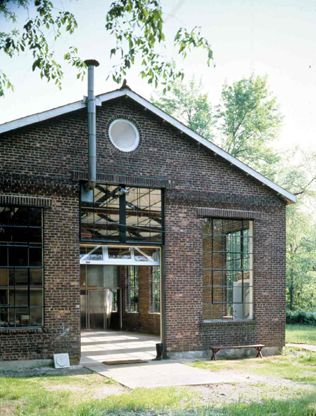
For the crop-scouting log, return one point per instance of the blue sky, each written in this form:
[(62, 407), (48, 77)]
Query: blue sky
[(276, 38)]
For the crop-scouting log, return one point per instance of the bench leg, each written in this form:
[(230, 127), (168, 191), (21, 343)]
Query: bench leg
[(259, 353), (214, 351)]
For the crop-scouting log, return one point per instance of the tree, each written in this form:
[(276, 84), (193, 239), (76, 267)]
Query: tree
[(136, 28), (299, 177), (244, 124), (301, 260), (248, 120), (188, 104)]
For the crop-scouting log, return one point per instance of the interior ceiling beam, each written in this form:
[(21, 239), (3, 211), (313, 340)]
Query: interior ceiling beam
[(107, 194)]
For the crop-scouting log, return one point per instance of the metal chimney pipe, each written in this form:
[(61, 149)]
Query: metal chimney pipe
[(91, 105)]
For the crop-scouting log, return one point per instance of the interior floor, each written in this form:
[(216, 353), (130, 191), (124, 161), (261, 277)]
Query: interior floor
[(107, 345)]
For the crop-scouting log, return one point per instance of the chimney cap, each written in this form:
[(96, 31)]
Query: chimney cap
[(124, 85), (91, 62)]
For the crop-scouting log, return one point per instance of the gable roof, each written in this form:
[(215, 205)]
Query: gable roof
[(127, 92)]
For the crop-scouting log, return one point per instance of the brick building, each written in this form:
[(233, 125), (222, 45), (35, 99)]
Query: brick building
[(174, 236)]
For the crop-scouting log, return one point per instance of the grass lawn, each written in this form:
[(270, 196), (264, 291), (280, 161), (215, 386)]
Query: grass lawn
[(283, 385), (301, 334)]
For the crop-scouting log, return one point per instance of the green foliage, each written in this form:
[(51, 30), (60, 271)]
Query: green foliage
[(248, 120), (188, 104), (245, 123), (136, 28), (301, 317), (33, 37), (301, 260)]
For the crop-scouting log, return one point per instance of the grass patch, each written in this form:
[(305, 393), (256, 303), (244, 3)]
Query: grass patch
[(296, 365), (301, 334), (75, 394), (143, 401), (302, 406), (32, 397), (47, 395)]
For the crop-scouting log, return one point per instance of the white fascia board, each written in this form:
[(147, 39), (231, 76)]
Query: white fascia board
[(120, 262), (25, 121), (45, 115)]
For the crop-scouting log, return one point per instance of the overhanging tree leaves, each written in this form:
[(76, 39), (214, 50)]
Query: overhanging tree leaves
[(33, 37), (136, 27)]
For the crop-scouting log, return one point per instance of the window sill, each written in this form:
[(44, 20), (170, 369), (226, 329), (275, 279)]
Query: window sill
[(23, 330), (131, 312), (153, 313), (227, 322)]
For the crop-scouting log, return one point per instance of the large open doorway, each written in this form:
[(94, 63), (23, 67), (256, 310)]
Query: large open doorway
[(120, 301)]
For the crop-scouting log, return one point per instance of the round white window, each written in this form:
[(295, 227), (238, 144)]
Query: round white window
[(124, 135)]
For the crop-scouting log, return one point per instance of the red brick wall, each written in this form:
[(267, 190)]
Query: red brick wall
[(40, 160)]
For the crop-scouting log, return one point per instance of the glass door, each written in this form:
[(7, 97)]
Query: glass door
[(97, 309)]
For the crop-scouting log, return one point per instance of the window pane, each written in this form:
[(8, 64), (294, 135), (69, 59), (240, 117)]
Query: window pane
[(100, 218), (18, 256), (132, 289), (35, 316), (35, 256), (35, 217), (22, 316), (36, 298), (20, 215), (4, 297), (4, 277), (143, 214), (34, 235), (21, 297), (35, 277), (21, 277), (5, 215), (4, 321), (3, 256), (155, 289)]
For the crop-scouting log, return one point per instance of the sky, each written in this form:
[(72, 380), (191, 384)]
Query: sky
[(276, 38)]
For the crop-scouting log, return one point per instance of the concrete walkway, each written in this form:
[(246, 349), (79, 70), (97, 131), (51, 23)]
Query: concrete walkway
[(111, 346), (166, 373), (98, 347), (304, 346)]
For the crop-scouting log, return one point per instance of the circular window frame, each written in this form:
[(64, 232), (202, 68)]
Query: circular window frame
[(135, 129)]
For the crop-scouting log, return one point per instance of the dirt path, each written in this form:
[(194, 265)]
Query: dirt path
[(308, 347)]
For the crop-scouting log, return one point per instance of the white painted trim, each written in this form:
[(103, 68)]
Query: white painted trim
[(25, 121), (45, 115), (107, 260)]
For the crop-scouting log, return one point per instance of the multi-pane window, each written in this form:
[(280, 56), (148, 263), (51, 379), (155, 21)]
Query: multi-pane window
[(21, 272), (132, 289), (122, 214), (227, 269), (155, 290)]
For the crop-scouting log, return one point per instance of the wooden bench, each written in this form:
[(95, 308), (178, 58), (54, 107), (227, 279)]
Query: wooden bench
[(216, 348)]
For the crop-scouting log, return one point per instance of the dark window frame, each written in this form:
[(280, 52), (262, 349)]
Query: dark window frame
[(15, 289), (227, 273), (122, 234)]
